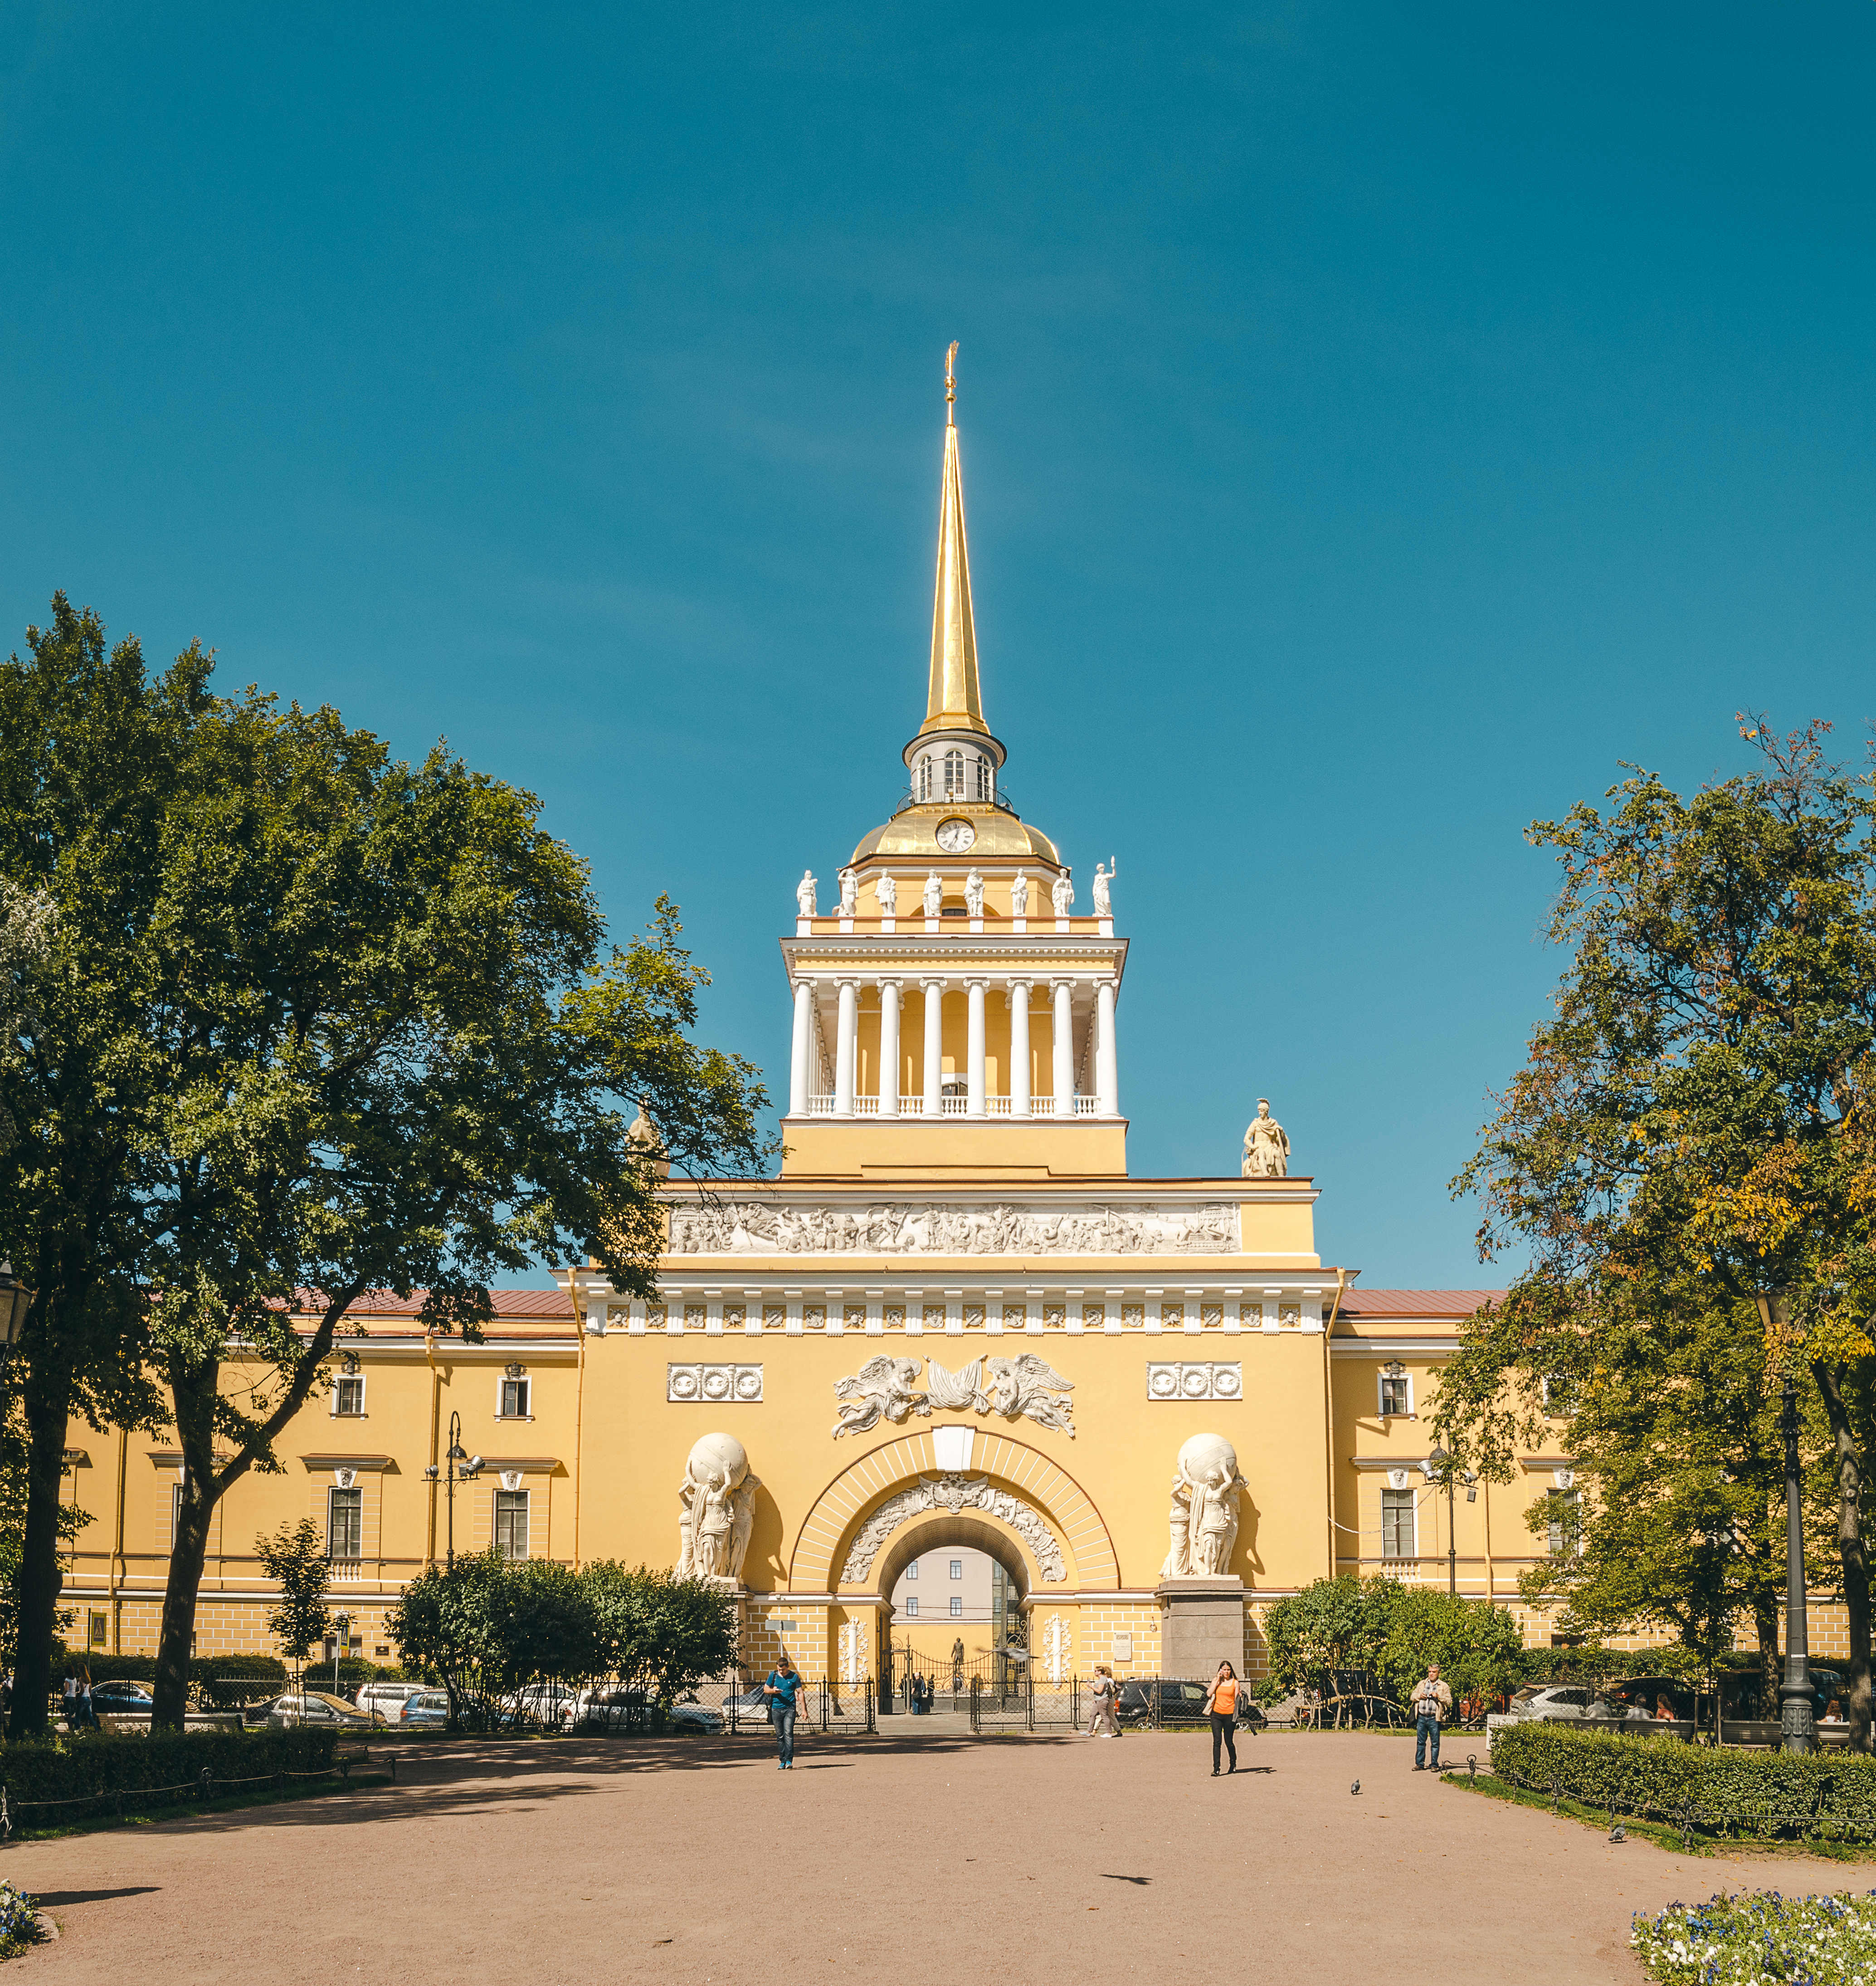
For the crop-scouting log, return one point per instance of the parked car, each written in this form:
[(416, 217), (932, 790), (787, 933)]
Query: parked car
[(607, 1708), (390, 1697), (1181, 1703), (427, 1710), (751, 1706), (694, 1717), (545, 1705), (121, 1699), (315, 1707)]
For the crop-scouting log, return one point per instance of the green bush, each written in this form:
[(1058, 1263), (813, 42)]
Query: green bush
[(1724, 1790), (65, 1768)]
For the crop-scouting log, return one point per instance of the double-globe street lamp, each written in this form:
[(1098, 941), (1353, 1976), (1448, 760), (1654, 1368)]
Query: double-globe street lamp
[(1797, 1706), (459, 1466)]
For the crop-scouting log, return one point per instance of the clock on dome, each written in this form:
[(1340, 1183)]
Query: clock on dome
[(955, 836)]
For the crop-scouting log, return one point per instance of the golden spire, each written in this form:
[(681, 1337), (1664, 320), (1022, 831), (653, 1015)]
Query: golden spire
[(955, 702)]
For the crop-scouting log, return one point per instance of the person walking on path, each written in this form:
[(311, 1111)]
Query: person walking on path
[(1432, 1700), (1104, 1695), (1222, 1706), (784, 1681)]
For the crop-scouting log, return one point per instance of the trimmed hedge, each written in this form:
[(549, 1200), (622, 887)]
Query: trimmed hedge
[(1722, 1789), (75, 1768)]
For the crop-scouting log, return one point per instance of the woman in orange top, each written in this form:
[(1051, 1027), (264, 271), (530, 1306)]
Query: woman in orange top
[(1222, 1707)]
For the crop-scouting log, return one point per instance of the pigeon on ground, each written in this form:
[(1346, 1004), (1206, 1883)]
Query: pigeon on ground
[(1356, 1788), (1618, 1833)]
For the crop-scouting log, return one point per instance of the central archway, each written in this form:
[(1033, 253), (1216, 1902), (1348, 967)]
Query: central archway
[(1063, 1518)]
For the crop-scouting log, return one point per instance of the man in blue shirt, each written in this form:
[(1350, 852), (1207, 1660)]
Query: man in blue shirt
[(784, 1681)]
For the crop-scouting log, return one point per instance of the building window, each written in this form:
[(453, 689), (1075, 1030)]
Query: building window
[(983, 779), (176, 1513), (344, 1523), (349, 1394), (1563, 1527), (1397, 1523), (954, 775), (911, 1571), (957, 1568), (957, 1606), (911, 1606), (1560, 1395), (514, 1399), (511, 1523), (1396, 1392)]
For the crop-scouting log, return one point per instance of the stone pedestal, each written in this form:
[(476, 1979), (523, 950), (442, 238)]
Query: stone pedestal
[(1202, 1625)]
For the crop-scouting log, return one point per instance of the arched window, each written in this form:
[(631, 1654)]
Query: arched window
[(924, 778), (954, 775), (983, 779)]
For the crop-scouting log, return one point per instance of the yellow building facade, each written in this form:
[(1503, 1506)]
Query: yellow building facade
[(952, 1319)]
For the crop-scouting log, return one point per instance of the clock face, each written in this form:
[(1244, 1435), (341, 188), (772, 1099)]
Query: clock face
[(954, 837)]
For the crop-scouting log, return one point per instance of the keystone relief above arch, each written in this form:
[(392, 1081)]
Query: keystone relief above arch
[(952, 1470)]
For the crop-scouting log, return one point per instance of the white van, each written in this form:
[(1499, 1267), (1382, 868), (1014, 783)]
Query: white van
[(389, 1698)]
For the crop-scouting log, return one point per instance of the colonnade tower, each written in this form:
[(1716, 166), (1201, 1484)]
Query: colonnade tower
[(953, 1018)]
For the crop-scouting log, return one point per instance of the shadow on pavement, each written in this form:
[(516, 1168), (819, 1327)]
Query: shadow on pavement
[(54, 1900)]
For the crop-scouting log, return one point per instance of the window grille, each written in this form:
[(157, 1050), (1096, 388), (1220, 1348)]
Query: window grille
[(344, 1523), (957, 1568), (954, 775), (1397, 1523), (911, 1571), (911, 1606), (511, 1523)]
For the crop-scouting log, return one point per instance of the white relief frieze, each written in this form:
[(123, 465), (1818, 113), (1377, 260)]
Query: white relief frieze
[(762, 1227), (953, 1492)]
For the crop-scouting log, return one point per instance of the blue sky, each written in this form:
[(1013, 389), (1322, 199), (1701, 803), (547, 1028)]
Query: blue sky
[(1378, 423)]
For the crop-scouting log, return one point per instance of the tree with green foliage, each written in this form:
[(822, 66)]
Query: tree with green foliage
[(295, 1559), (94, 754), (316, 1022), (1689, 1151), (1392, 1630), (657, 1633)]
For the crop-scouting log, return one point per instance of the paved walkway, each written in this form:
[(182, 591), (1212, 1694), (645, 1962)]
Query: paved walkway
[(1053, 1860)]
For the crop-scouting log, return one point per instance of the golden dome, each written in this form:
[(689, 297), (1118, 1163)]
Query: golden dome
[(1000, 836)]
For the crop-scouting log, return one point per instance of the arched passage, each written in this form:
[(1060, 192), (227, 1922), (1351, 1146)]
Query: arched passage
[(822, 1552)]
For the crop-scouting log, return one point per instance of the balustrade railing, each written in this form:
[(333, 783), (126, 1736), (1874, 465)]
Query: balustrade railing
[(913, 1105)]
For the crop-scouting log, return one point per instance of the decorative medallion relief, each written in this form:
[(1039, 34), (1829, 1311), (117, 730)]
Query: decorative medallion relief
[(1186, 1381), (953, 1492), (713, 1385), (762, 1227)]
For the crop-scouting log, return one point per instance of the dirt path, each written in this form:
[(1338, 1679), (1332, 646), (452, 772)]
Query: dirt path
[(942, 1860)]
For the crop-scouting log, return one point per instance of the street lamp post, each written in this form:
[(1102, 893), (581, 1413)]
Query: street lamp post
[(459, 1466), (1443, 1462), (1797, 1706)]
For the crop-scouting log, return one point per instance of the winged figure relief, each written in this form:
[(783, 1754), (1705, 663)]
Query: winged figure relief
[(1027, 1387), (884, 1388), (957, 1392)]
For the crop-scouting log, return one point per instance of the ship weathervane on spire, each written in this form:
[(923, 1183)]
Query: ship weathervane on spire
[(951, 385)]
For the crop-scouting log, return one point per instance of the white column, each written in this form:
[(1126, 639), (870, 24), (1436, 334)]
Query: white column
[(974, 1090), (935, 1046), (844, 1057), (889, 1047), (1106, 1067), (801, 1068), (1019, 1048), (1064, 1058)]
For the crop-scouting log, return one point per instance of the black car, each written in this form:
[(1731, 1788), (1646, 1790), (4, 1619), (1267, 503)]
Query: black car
[(1180, 1703)]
